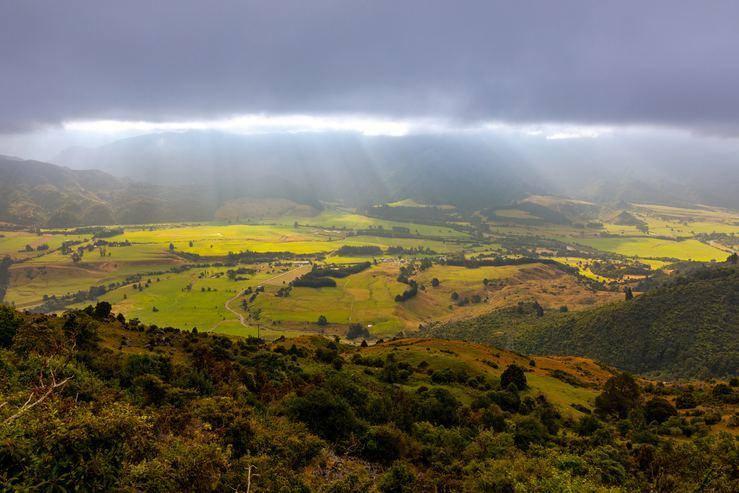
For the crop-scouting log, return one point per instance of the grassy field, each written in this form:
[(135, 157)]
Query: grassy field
[(337, 219), (367, 298), (645, 247), (13, 243)]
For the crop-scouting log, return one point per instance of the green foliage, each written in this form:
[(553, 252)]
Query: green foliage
[(676, 331), (356, 331), (325, 414), (514, 375), (659, 410), (10, 321), (189, 411), (398, 479), (620, 395)]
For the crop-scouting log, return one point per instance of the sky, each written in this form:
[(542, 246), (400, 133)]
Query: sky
[(87, 72)]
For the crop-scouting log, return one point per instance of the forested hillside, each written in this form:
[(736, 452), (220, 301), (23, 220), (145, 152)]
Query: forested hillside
[(689, 328), (95, 402)]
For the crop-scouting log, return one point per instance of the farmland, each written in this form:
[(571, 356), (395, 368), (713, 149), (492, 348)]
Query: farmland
[(196, 274)]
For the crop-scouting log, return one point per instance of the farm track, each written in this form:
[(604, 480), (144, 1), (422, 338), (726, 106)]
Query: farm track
[(240, 316)]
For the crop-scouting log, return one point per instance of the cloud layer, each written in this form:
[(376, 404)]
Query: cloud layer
[(577, 62)]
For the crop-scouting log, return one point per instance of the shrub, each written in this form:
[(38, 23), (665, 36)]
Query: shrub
[(438, 406), (398, 479), (102, 310), (659, 410), (384, 443), (686, 400), (529, 430), (493, 417), (325, 414)]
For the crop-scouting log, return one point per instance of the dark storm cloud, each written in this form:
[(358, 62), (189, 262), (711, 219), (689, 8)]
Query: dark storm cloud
[(674, 63)]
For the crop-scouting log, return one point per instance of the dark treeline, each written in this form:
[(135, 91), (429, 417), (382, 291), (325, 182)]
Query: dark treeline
[(321, 277), (351, 250), (5, 264)]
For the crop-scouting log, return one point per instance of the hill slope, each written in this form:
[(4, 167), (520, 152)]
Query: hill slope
[(44, 194), (118, 406), (687, 329)]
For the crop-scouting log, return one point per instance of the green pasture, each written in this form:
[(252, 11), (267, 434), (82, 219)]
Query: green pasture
[(334, 218), (13, 243), (201, 306), (367, 298), (646, 247)]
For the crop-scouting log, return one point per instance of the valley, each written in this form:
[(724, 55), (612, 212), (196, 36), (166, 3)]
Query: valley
[(569, 257)]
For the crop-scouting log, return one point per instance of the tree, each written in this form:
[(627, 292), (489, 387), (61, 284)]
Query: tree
[(322, 320), (659, 410), (102, 310), (171, 247), (513, 375), (356, 331), (629, 294), (435, 282), (10, 321), (620, 395), (539, 309)]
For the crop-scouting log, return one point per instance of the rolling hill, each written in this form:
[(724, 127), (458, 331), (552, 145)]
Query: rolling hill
[(44, 194), (687, 329)]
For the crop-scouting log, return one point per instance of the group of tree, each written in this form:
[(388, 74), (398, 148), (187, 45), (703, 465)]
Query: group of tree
[(92, 401)]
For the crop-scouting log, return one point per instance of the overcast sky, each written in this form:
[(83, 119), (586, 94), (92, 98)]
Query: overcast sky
[(373, 66)]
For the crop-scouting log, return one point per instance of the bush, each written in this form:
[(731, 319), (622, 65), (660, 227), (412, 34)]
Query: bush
[(686, 400), (508, 400), (325, 414), (587, 425), (384, 443), (102, 310), (398, 479), (659, 410), (529, 430), (493, 417), (438, 406)]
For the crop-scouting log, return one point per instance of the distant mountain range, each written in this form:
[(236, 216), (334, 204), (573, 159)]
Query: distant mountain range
[(347, 168), (190, 175), (471, 171), (43, 194)]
